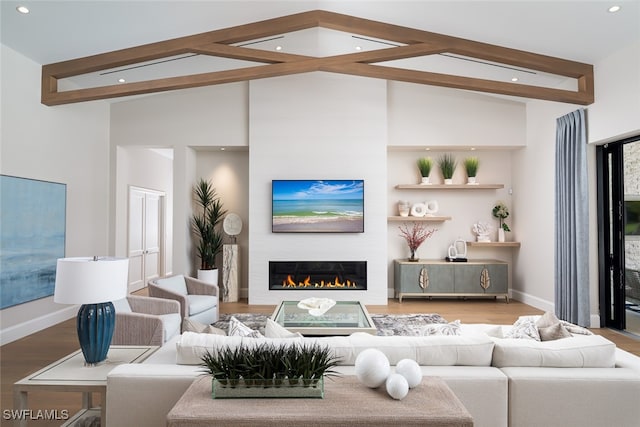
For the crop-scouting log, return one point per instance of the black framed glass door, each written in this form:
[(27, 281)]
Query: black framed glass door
[(619, 233)]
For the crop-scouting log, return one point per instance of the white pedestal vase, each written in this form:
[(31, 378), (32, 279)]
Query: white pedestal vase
[(230, 273), (209, 276)]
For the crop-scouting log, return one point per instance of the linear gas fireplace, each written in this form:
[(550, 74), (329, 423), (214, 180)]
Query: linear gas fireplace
[(318, 275)]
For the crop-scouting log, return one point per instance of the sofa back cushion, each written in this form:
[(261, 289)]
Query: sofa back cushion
[(581, 351), (430, 350)]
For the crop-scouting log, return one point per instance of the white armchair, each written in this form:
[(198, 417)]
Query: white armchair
[(198, 300), (144, 320)]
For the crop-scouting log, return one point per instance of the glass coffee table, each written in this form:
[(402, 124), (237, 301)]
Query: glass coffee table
[(344, 318)]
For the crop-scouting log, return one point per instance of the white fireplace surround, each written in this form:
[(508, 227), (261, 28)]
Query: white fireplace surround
[(337, 136)]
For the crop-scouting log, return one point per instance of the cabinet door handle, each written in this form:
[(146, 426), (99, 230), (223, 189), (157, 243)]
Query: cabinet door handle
[(423, 278), (485, 279)]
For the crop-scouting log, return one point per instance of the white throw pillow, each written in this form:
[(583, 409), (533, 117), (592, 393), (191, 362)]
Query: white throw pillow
[(274, 330), (239, 329)]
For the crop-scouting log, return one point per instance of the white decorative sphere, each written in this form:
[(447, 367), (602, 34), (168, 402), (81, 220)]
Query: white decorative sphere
[(397, 386), (372, 367), (410, 370)]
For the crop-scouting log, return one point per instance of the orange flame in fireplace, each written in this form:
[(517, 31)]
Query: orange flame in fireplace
[(336, 283)]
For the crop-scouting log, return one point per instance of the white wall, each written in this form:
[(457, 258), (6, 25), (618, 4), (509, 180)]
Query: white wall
[(67, 144), (148, 169), (317, 126), (431, 116), (617, 91), (185, 121)]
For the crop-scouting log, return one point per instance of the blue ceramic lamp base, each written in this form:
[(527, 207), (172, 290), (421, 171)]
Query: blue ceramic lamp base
[(95, 324)]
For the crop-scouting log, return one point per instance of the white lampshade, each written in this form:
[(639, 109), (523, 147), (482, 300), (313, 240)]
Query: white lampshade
[(85, 281)]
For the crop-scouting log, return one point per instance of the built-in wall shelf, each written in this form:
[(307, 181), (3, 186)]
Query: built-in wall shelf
[(494, 244), (419, 218), (449, 187)]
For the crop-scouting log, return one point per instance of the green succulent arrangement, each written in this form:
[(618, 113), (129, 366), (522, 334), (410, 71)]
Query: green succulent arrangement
[(267, 365), (448, 164), (471, 166), (424, 165)]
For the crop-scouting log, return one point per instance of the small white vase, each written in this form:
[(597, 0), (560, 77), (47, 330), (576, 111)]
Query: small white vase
[(404, 207), (448, 181), (471, 180), (500, 234), (425, 181)]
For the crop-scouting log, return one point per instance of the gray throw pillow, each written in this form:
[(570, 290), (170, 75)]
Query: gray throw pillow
[(553, 332)]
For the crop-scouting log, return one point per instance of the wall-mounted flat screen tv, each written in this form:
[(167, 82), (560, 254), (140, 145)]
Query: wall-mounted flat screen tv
[(632, 216), (318, 206)]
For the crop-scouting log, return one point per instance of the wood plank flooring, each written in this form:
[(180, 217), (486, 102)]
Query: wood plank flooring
[(27, 355)]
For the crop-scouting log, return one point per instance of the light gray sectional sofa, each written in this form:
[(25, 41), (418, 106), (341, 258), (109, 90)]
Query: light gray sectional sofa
[(577, 381)]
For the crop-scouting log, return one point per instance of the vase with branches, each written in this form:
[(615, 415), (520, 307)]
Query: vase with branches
[(205, 223), (415, 236)]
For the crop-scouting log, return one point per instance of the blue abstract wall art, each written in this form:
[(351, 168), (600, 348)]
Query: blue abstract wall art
[(32, 238)]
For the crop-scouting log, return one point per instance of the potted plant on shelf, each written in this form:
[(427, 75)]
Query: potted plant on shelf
[(447, 165), (501, 212), (415, 237), (471, 167), (205, 224), (424, 165)]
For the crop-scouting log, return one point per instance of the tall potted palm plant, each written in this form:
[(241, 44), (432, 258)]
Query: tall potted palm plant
[(205, 225)]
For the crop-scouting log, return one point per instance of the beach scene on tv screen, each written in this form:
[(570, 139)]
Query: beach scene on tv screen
[(329, 206)]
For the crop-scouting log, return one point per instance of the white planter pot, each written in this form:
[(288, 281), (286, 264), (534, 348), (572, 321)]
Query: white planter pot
[(448, 181), (471, 180), (500, 234), (209, 276), (425, 181)]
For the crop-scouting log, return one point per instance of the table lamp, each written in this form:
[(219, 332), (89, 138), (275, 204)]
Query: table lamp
[(94, 283)]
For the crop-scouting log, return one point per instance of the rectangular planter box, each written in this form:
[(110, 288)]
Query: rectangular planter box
[(249, 389)]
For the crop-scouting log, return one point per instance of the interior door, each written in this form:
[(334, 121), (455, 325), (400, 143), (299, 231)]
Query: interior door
[(145, 236)]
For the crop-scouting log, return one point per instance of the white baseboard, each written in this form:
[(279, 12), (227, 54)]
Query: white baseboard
[(539, 303), (21, 330)]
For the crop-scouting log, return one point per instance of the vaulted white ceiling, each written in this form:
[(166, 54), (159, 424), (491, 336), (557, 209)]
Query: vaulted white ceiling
[(576, 30)]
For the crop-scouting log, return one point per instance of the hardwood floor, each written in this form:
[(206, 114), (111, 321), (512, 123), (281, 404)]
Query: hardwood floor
[(27, 355)]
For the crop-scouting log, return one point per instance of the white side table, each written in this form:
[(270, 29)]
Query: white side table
[(70, 375)]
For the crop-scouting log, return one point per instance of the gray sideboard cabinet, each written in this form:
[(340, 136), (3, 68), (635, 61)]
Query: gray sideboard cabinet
[(429, 278)]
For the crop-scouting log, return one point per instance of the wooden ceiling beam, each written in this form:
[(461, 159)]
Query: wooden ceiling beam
[(415, 43), (460, 82)]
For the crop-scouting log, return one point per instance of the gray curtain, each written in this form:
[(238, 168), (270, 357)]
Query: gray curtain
[(572, 220)]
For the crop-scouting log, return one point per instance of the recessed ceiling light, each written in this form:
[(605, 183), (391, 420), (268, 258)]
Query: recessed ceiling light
[(121, 80), (427, 149), (472, 148), (358, 48), (278, 47), (22, 9), (222, 148), (614, 9), (514, 79)]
